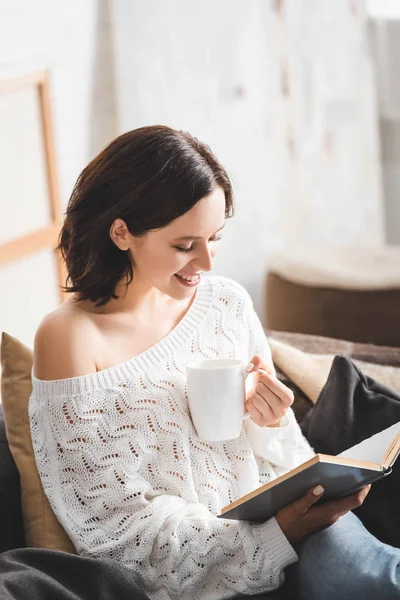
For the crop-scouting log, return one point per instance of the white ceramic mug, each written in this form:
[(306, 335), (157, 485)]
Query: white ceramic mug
[(216, 393)]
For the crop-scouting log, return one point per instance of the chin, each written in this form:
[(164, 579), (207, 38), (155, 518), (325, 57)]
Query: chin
[(179, 290), (173, 289)]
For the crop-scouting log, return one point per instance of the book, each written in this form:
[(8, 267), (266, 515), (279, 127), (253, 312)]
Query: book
[(339, 475)]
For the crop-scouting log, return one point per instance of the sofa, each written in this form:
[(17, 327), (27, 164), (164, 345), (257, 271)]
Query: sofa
[(294, 355), (350, 292), (11, 524)]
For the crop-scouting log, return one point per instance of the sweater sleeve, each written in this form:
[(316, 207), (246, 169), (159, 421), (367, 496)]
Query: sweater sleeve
[(284, 447), (107, 504)]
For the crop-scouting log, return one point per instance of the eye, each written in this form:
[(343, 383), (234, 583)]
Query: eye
[(183, 249), (217, 238)]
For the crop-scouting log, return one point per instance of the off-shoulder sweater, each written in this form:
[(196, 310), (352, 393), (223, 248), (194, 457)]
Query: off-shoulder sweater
[(129, 479)]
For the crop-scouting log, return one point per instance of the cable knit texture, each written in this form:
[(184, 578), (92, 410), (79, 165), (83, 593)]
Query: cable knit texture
[(129, 479)]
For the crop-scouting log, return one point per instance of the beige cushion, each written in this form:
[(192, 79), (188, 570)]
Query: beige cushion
[(310, 371), (344, 267), (42, 530)]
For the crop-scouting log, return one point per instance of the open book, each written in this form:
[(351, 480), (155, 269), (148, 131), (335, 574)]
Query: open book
[(340, 476)]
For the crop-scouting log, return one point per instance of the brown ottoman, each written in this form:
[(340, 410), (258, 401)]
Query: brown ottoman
[(349, 293)]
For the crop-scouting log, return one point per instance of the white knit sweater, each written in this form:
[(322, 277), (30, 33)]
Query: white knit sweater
[(129, 479)]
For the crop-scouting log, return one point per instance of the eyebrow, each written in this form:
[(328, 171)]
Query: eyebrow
[(194, 237)]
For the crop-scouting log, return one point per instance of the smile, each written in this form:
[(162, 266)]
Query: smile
[(188, 281)]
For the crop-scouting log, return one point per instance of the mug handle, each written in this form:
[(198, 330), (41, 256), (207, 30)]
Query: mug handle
[(247, 414)]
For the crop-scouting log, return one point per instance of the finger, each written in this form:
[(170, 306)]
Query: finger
[(359, 497), (280, 403), (328, 513), (267, 414), (276, 386), (303, 504), (255, 414), (261, 363), (354, 500), (333, 508), (271, 408)]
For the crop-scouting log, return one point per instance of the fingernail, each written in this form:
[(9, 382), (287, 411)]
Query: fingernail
[(318, 490), (249, 367)]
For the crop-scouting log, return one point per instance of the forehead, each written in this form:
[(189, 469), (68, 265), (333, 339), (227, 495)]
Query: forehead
[(208, 215)]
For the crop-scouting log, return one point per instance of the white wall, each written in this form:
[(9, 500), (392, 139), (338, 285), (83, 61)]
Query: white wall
[(212, 69), (384, 36), (334, 190), (265, 83), (383, 9), (285, 101), (71, 39)]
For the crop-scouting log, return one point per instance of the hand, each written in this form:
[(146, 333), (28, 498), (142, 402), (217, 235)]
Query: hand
[(269, 400), (299, 519)]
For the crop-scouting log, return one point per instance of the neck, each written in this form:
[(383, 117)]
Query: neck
[(139, 299)]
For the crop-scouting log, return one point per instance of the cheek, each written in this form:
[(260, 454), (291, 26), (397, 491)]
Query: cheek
[(169, 262), (178, 260)]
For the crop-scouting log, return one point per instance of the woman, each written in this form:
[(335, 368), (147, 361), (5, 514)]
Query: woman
[(116, 449)]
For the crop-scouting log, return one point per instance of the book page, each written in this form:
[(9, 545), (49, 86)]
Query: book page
[(373, 448)]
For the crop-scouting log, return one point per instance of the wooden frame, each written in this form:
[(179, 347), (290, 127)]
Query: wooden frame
[(33, 242)]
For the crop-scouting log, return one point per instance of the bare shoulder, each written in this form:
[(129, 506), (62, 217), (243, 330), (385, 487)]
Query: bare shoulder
[(64, 345)]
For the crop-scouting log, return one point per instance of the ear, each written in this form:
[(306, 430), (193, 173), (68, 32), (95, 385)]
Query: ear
[(120, 235)]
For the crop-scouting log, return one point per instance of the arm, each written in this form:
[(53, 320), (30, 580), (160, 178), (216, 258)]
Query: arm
[(284, 445), (111, 509), (58, 349)]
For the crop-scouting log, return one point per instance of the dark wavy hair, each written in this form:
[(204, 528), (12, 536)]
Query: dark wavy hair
[(148, 177)]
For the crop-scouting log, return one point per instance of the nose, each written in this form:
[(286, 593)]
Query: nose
[(203, 260)]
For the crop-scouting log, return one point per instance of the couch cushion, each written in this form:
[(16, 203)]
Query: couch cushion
[(351, 408), (341, 267), (328, 291), (42, 530), (11, 527)]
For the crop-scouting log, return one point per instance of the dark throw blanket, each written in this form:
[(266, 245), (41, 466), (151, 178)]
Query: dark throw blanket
[(350, 408), (34, 574)]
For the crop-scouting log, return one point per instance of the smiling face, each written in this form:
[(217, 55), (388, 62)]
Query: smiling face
[(184, 249)]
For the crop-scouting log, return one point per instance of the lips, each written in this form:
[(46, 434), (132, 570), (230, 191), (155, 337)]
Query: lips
[(194, 280), (189, 277)]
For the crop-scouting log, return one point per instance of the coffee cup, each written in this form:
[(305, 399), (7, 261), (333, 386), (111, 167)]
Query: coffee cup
[(216, 394)]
